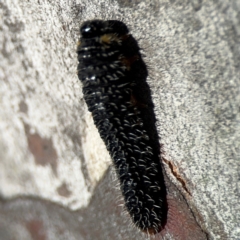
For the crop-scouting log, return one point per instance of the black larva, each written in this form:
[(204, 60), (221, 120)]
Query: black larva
[(114, 75)]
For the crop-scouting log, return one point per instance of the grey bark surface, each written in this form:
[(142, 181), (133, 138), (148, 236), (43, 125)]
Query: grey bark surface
[(54, 182)]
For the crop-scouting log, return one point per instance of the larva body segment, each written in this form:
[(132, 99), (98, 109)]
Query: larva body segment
[(116, 92)]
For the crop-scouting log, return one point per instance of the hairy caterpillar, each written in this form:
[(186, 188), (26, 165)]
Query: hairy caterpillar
[(114, 75)]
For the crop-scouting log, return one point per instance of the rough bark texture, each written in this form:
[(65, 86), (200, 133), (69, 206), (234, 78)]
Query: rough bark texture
[(52, 160)]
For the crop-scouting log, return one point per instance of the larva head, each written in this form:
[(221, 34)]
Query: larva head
[(97, 28)]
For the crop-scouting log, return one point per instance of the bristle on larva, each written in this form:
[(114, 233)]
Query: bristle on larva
[(113, 76)]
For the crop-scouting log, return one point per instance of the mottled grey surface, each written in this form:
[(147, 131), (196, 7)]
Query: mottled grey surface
[(49, 148)]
